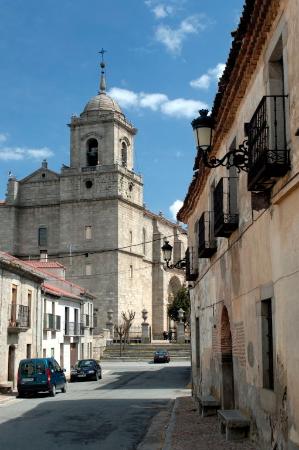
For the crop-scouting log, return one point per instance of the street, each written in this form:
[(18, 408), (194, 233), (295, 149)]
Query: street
[(113, 413)]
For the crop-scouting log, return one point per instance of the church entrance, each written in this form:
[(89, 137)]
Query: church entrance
[(227, 367)]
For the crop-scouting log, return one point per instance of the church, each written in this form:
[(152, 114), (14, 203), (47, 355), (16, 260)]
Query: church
[(91, 218)]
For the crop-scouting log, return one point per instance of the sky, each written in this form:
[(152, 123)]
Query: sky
[(163, 61)]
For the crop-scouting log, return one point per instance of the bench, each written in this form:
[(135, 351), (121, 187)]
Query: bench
[(233, 424), (208, 405)]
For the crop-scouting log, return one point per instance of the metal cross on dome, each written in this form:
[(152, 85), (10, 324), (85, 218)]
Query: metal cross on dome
[(102, 52)]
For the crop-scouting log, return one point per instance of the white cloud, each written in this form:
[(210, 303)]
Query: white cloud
[(21, 153), (152, 101), (205, 80), (175, 207), (161, 11), (173, 38), (179, 107), (124, 97)]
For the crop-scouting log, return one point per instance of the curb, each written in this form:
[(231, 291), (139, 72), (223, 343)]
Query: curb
[(155, 436), (170, 427)]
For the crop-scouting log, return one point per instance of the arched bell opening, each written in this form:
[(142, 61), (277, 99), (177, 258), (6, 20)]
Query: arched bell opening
[(92, 152)]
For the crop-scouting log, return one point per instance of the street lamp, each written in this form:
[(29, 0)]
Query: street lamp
[(203, 127), (167, 252)]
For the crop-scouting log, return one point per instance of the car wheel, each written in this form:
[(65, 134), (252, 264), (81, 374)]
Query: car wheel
[(64, 388), (53, 391), (22, 394), (100, 377)]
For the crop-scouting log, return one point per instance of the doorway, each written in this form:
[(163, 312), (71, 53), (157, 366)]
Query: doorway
[(227, 366), (73, 354), (11, 364)]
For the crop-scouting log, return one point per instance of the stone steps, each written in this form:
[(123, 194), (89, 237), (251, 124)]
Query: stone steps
[(135, 352)]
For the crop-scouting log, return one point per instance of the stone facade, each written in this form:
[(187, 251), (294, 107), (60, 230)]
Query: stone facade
[(244, 295), (91, 217)]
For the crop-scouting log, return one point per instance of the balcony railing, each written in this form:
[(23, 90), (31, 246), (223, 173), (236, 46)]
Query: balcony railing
[(226, 218), (191, 266), (73, 329), (207, 245), (52, 322), (19, 318), (267, 143)]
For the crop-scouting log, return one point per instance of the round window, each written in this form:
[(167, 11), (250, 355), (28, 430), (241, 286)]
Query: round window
[(88, 184)]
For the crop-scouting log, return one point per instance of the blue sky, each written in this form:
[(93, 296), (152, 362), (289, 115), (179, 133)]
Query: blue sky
[(163, 59)]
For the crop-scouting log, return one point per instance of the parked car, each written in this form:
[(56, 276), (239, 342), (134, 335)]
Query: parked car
[(161, 355), (86, 369), (40, 375)]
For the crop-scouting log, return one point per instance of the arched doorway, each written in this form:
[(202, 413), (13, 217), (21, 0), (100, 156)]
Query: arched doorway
[(227, 388), (11, 364)]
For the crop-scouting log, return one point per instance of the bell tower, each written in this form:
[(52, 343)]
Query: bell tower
[(101, 135)]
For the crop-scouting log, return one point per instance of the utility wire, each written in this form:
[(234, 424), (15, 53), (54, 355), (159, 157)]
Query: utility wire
[(93, 252)]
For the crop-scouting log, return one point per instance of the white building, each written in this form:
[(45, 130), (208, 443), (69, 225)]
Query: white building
[(67, 316)]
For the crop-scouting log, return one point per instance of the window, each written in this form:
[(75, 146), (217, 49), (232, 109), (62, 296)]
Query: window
[(92, 152), (87, 269), (43, 255), (88, 234), (124, 155), (29, 306), (42, 237), (267, 344), (131, 239), (52, 352), (44, 353)]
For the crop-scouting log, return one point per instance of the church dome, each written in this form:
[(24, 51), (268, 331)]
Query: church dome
[(102, 102)]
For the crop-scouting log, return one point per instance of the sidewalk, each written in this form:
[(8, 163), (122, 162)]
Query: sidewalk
[(187, 430), (6, 398)]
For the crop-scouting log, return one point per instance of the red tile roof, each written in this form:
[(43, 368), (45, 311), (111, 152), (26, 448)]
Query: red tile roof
[(54, 290), (46, 264)]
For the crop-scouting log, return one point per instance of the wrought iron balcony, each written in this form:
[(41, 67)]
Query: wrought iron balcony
[(226, 218), (207, 245), (19, 318), (191, 268), (73, 329), (52, 322), (269, 156)]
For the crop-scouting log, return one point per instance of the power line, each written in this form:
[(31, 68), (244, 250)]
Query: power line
[(93, 252)]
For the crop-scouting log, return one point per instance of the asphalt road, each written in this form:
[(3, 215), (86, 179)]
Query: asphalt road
[(113, 413)]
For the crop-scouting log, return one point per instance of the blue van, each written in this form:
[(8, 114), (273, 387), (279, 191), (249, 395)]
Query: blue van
[(40, 375)]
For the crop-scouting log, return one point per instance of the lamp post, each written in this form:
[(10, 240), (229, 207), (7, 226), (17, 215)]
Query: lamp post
[(167, 253), (203, 127)]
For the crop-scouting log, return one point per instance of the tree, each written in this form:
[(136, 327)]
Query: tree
[(120, 331), (128, 320), (181, 300)]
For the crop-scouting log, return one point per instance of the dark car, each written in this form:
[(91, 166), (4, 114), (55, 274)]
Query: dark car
[(161, 355), (40, 375), (86, 369)]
